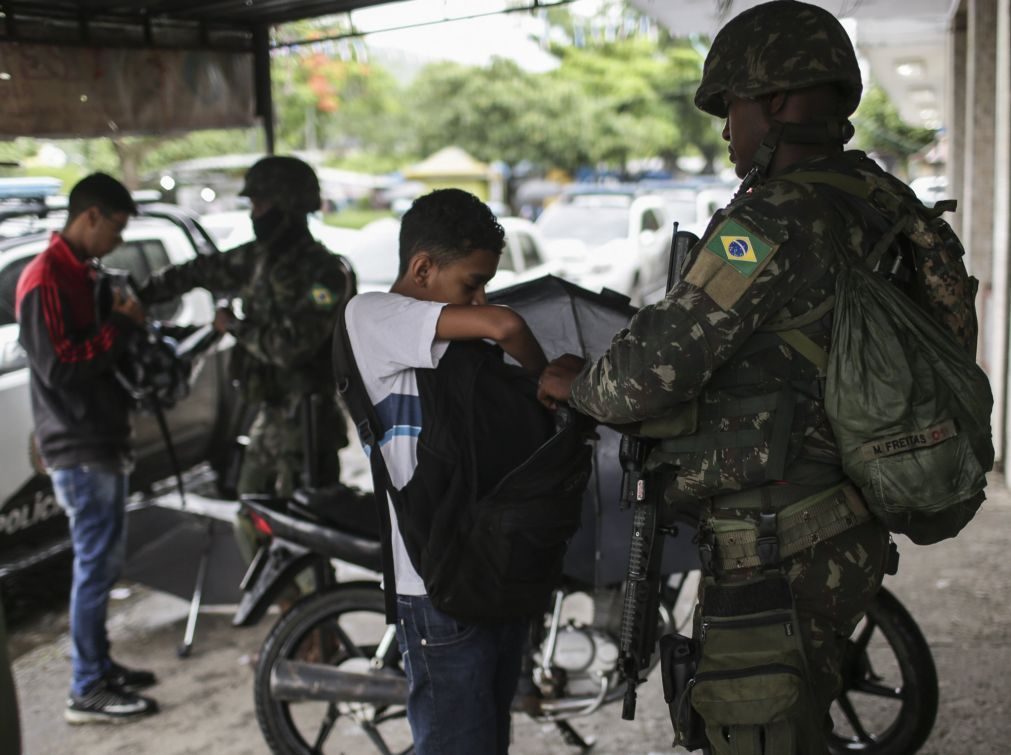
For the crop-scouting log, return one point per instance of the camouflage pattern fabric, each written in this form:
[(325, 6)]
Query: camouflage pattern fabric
[(775, 47), (770, 257), (290, 292), (705, 342), (273, 461), (832, 585)]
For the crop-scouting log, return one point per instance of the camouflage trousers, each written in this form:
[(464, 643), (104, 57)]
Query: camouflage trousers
[(273, 462), (832, 584)]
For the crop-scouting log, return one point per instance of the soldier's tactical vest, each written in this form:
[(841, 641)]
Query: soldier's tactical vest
[(737, 439), (263, 381)]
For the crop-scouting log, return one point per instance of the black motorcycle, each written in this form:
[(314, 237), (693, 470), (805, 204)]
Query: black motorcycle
[(331, 658)]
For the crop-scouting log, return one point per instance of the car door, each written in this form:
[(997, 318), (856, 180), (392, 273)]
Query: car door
[(191, 422), (649, 238), (24, 506)]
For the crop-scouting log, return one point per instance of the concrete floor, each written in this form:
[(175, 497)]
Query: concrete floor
[(959, 591)]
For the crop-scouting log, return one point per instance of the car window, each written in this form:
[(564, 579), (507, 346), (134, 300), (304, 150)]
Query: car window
[(528, 248), (8, 287), (650, 222), (140, 259), (592, 225), (505, 260)]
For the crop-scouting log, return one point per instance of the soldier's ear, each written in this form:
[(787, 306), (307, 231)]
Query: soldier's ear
[(777, 102)]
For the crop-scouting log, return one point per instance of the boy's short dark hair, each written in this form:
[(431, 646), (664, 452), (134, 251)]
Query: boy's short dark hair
[(101, 191), (449, 224)]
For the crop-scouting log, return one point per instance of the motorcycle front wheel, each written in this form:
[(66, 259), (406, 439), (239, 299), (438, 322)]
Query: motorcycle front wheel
[(889, 700), (340, 628)]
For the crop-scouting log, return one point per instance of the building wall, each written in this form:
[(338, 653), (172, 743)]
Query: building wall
[(1002, 218), (979, 173)]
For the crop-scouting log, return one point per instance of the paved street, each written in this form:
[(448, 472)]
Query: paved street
[(959, 592)]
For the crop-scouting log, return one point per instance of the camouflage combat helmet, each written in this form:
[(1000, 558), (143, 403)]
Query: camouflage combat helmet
[(286, 181), (775, 47)]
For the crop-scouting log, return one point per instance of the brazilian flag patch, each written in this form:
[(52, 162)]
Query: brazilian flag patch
[(322, 296), (739, 247)]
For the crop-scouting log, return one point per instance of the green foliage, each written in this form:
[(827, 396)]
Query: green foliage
[(606, 104), (499, 112), (16, 150), (355, 217), (326, 97), (880, 129)]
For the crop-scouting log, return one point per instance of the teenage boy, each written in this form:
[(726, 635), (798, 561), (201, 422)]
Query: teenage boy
[(461, 677), (82, 425)]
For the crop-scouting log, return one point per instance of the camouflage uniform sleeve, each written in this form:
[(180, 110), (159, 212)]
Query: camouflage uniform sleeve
[(307, 302), (745, 270), (224, 271)]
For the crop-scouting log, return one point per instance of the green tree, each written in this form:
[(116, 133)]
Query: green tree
[(501, 112), (328, 95), (880, 129)]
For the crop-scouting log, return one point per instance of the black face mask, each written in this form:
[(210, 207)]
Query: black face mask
[(265, 226)]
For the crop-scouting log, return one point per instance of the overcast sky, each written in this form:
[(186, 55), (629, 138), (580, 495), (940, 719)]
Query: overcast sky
[(473, 41)]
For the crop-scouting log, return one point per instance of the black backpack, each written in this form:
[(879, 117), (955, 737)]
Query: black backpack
[(497, 492)]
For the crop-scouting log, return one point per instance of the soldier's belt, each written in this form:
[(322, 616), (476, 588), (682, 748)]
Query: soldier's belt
[(799, 525)]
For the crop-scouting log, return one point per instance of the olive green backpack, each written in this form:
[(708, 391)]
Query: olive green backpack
[(909, 406)]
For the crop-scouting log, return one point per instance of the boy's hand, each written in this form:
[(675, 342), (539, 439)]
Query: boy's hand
[(555, 384)]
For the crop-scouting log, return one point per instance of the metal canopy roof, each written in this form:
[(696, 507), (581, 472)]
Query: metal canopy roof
[(225, 12), (216, 24)]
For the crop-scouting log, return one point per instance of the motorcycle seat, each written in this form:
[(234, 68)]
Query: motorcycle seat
[(339, 507)]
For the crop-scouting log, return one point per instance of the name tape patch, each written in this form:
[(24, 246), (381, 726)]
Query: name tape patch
[(897, 444)]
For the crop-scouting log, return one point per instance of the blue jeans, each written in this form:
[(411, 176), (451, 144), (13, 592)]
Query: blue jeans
[(95, 501), (461, 678)]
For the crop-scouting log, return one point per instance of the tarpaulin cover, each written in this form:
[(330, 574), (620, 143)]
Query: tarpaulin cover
[(568, 319), (49, 90)]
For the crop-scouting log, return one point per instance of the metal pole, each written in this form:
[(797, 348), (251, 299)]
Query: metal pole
[(261, 83)]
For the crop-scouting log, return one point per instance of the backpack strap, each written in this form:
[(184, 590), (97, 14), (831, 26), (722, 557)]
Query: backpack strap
[(352, 389), (806, 347), (790, 330)]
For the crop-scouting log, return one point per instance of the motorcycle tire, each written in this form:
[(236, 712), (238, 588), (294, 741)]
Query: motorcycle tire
[(307, 632), (890, 694)]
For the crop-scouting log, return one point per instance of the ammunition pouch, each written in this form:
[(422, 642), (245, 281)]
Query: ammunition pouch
[(751, 688), (738, 542), (745, 438)]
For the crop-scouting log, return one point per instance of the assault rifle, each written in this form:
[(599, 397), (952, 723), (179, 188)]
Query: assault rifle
[(638, 639)]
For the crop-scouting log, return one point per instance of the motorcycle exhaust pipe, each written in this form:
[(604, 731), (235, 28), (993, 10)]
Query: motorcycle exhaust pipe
[(295, 682)]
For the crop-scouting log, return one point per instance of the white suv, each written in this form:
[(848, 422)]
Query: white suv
[(608, 238)]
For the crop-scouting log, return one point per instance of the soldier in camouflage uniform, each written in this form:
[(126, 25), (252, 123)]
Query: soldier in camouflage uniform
[(290, 287), (761, 472)]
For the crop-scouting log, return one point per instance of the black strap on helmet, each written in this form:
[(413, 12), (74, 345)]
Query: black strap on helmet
[(823, 131)]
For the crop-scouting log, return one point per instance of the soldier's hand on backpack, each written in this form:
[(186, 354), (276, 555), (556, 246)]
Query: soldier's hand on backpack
[(555, 383)]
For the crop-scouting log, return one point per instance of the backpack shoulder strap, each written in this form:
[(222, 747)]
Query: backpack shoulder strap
[(890, 205), (352, 389)]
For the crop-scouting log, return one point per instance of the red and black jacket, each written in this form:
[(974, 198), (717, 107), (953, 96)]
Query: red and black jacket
[(81, 411)]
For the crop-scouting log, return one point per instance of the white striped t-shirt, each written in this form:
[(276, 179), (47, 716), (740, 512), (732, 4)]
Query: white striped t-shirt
[(391, 336)]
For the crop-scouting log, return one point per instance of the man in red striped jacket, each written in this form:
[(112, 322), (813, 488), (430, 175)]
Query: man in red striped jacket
[(82, 425)]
